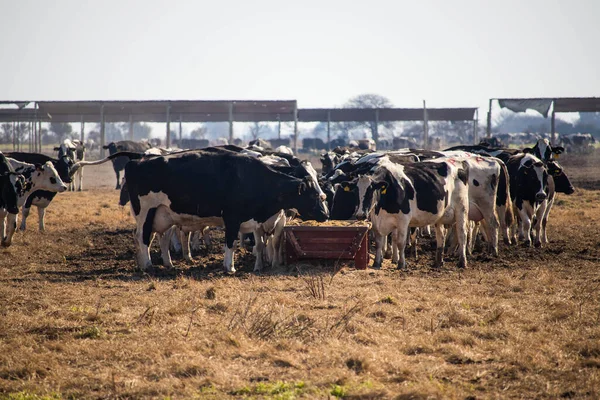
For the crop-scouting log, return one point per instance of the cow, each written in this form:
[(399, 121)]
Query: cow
[(36, 177), (74, 151), (11, 184), (42, 198), (213, 188), (119, 162), (274, 143), (528, 189), (313, 144), (400, 142), (578, 142), (397, 197), (284, 150)]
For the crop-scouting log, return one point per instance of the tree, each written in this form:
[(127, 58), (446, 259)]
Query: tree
[(256, 128), (61, 130), (140, 130), (6, 133), (199, 133), (366, 100)]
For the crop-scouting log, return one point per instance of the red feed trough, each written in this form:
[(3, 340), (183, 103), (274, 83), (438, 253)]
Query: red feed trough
[(327, 242)]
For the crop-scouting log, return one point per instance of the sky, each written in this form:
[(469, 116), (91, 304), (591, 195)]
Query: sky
[(450, 53)]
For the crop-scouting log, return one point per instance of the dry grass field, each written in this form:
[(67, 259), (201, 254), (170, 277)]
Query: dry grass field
[(78, 321)]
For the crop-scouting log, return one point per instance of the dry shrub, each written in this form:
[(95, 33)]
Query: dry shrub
[(358, 365)]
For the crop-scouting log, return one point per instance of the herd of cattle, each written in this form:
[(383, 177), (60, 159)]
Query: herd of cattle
[(464, 193)]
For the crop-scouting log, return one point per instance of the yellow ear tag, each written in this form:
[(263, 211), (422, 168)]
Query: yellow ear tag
[(384, 191), (346, 189), (555, 155)]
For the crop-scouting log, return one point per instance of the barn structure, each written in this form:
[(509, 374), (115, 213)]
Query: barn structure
[(543, 105), (173, 111)]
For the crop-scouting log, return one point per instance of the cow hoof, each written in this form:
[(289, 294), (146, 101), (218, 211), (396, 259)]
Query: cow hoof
[(402, 265), (527, 243), (387, 255), (5, 244), (538, 244), (462, 264), (377, 265), (507, 241)]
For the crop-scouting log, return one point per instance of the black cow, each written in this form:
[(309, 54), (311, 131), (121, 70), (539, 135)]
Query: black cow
[(313, 144), (11, 184), (213, 188), (119, 162), (42, 198)]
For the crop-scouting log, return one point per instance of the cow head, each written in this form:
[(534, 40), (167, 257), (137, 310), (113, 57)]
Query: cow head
[(48, 178), (562, 183), (111, 147), (544, 151), (328, 161), (366, 193), (12, 185), (309, 203), (63, 167), (534, 176)]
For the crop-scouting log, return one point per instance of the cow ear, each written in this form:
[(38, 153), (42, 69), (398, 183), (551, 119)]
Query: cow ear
[(56, 148), (346, 186), (558, 149), (105, 147), (301, 187), (527, 150), (382, 186), (39, 167)]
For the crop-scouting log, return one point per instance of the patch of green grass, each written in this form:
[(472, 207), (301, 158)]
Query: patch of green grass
[(31, 396), (388, 300), (276, 390), (91, 332), (338, 391)]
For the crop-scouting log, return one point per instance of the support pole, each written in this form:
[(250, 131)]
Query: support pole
[(295, 128), (278, 126), (180, 130), (14, 136), (489, 121), (82, 130), (475, 127), (40, 135), (553, 127), (130, 126), (168, 139), (328, 130), (231, 122), (30, 136), (425, 127), (102, 132), (376, 129)]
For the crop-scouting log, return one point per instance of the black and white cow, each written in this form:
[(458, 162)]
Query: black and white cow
[(73, 151), (122, 146), (529, 191), (214, 188), (397, 197), (36, 177), (11, 184), (42, 198)]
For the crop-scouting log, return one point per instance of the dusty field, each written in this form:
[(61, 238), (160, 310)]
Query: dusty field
[(77, 320)]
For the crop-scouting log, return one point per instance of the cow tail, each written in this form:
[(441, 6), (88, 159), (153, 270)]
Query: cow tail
[(504, 190)]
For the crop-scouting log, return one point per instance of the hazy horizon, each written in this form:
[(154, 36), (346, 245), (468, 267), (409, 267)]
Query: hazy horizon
[(451, 54)]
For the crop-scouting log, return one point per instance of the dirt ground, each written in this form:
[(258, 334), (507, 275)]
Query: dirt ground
[(78, 321)]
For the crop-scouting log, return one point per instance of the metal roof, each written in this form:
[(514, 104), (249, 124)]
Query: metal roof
[(384, 114), (577, 104)]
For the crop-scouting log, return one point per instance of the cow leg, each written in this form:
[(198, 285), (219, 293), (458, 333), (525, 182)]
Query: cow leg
[(379, 244), (176, 243), (525, 228), (165, 244), (545, 219), (41, 218), (460, 216), (80, 173), (504, 228), (3, 214), (401, 237), (539, 215), (184, 237), (118, 179), (440, 238), (11, 227), (206, 236), (259, 248), (231, 232), (24, 215), (143, 238)]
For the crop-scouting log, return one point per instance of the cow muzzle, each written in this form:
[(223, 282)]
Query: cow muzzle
[(61, 189), (541, 196)]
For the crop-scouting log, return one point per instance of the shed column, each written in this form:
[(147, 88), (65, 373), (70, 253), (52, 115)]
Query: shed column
[(376, 129), (180, 130), (425, 127), (295, 128), (130, 126), (278, 126), (40, 136), (82, 130), (231, 123), (168, 139), (328, 130), (102, 132), (552, 128), (475, 127), (489, 121)]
